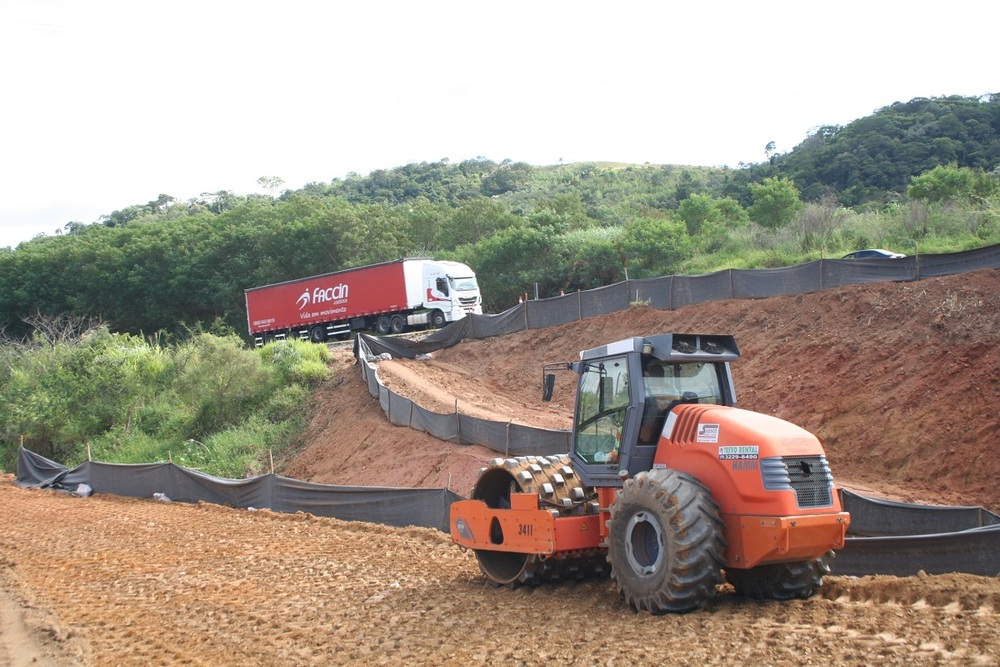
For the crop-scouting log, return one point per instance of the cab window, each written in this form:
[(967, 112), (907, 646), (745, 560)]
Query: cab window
[(667, 385), (602, 402)]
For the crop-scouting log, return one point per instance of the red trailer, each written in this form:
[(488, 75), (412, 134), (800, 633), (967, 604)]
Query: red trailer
[(386, 298)]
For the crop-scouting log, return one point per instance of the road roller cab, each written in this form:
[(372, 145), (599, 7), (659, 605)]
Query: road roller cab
[(627, 391), (668, 485)]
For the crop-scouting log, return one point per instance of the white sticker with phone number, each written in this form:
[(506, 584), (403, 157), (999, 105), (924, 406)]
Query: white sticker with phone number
[(738, 453)]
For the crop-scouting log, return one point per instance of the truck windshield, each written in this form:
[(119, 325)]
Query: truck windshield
[(602, 400), (466, 284)]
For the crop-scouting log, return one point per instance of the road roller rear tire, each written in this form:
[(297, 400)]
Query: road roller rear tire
[(781, 581)]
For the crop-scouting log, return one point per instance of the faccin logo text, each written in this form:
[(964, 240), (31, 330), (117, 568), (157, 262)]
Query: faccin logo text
[(336, 294)]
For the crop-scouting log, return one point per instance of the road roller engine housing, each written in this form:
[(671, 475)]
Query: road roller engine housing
[(668, 486)]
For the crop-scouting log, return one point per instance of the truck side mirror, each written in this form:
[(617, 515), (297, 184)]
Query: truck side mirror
[(548, 386)]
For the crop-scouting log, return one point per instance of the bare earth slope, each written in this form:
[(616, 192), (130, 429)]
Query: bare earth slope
[(901, 381)]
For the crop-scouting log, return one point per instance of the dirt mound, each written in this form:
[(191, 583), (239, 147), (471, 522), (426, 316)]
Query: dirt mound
[(349, 441), (125, 581), (901, 381)]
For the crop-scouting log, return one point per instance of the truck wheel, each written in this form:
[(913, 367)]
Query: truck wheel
[(317, 334), (665, 542), (781, 581), (383, 325), (398, 324), (437, 319)]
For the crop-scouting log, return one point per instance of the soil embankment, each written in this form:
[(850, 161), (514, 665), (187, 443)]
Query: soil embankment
[(900, 381)]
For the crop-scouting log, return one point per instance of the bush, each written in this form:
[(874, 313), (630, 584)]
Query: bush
[(207, 403), (297, 361)]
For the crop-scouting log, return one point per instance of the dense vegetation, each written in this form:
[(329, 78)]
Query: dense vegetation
[(916, 177), (207, 403), (165, 266), (873, 158)]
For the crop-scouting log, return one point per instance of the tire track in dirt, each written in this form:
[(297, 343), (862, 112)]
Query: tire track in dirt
[(144, 582)]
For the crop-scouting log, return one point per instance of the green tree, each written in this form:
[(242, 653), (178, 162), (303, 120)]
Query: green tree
[(271, 183), (698, 209), (708, 220), (775, 202), (474, 220), (423, 220), (511, 262), (506, 178), (560, 214), (951, 182), (594, 257), (654, 246)]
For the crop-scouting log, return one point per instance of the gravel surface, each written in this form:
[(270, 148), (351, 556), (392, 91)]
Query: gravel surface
[(116, 581)]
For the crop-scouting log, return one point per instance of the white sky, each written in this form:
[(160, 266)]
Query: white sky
[(105, 104)]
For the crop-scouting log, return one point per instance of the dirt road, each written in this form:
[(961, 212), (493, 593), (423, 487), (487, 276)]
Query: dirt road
[(113, 581)]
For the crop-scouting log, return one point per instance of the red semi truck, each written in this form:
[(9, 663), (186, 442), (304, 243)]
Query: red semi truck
[(386, 298)]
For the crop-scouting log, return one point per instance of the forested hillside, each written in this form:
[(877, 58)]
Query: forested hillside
[(917, 176), (873, 159)]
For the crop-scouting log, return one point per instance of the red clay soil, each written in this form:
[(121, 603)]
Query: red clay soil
[(901, 382), (125, 581)]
